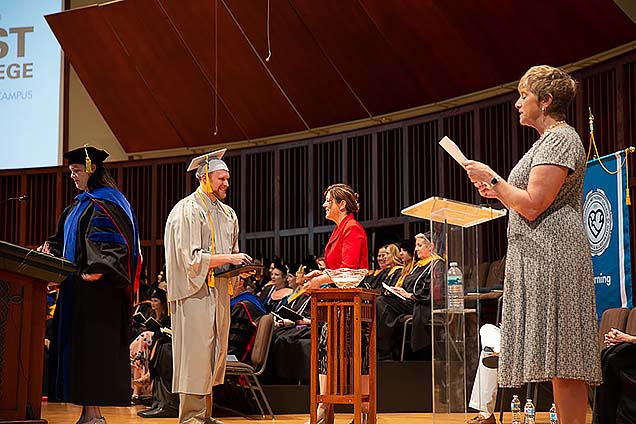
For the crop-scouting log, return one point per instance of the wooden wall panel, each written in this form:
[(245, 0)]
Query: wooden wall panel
[(41, 218), (422, 162), (294, 187), (460, 128), (390, 178), (328, 164), (296, 250), (9, 209), (259, 180), (260, 248), (359, 172), (629, 103), (599, 93)]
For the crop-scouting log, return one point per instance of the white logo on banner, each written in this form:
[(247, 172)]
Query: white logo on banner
[(597, 213)]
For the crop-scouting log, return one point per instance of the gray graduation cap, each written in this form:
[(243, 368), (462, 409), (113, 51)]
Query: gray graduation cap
[(213, 159)]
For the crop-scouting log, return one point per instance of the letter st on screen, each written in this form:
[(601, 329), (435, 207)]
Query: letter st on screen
[(13, 44)]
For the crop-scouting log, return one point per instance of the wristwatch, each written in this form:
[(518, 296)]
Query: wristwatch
[(494, 181)]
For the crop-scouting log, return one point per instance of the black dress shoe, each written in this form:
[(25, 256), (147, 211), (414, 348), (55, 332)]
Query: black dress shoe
[(159, 413)]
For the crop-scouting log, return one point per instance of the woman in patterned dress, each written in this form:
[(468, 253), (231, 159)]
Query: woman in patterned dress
[(549, 315)]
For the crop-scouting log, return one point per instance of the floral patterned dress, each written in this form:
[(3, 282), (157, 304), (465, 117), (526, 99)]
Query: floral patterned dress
[(549, 315)]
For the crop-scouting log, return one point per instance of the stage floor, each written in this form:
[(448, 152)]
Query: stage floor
[(64, 413)]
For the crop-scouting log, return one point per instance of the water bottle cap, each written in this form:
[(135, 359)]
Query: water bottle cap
[(528, 400), (453, 264)]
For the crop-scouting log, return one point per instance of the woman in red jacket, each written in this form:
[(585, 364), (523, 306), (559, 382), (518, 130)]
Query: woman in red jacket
[(347, 248)]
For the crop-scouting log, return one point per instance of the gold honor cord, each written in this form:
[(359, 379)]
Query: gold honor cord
[(628, 150), (210, 276)]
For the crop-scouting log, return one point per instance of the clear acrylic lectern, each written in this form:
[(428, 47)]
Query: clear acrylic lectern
[(455, 351)]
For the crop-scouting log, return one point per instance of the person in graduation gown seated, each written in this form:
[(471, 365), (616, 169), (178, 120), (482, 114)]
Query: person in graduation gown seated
[(141, 346), (201, 237), (412, 295), (394, 265), (291, 343), (165, 404), (616, 397), (370, 281), (347, 248), (407, 252), (245, 310), (274, 294), (90, 364)]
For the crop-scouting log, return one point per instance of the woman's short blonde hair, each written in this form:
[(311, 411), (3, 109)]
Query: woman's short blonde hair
[(545, 81)]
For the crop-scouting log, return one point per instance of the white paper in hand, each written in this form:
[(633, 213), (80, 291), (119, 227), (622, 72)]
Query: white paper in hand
[(393, 291), (452, 149)]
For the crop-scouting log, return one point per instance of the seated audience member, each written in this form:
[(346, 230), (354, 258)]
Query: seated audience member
[(165, 404), (273, 295), (484, 394), (143, 307), (407, 250), (393, 263), (371, 280), (140, 347), (290, 350), (245, 310), (616, 397), (413, 296)]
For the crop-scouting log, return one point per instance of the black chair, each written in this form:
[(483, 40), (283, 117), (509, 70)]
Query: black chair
[(260, 352)]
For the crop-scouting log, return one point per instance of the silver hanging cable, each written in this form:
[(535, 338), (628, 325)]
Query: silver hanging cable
[(269, 45), (269, 73), (216, 67)]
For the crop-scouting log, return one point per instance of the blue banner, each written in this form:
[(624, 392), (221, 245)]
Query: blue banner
[(606, 219)]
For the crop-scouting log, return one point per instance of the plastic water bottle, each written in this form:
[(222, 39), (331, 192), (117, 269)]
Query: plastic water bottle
[(528, 412), (515, 407), (455, 281), (553, 415)]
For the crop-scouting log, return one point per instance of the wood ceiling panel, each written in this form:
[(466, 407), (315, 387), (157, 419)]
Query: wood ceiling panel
[(119, 93), (361, 53), (149, 65), (170, 72), (298, 63), (256, 102)]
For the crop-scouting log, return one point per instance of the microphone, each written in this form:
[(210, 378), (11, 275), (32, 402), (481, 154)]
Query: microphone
[(22, 198)]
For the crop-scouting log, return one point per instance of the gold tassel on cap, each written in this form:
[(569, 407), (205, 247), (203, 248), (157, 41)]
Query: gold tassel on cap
[(89, 163), (208, 187)]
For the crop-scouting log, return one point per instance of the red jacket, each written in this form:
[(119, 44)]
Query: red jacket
[(347, 246)]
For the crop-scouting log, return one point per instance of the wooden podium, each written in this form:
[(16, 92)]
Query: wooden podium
[(24, 274), (344, 311)]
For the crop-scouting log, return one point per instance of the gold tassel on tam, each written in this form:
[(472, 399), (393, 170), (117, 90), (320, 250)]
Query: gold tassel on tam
[(89, 163), (208, 187)]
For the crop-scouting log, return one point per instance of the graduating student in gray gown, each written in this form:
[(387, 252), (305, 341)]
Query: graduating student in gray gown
[(201, 236)]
